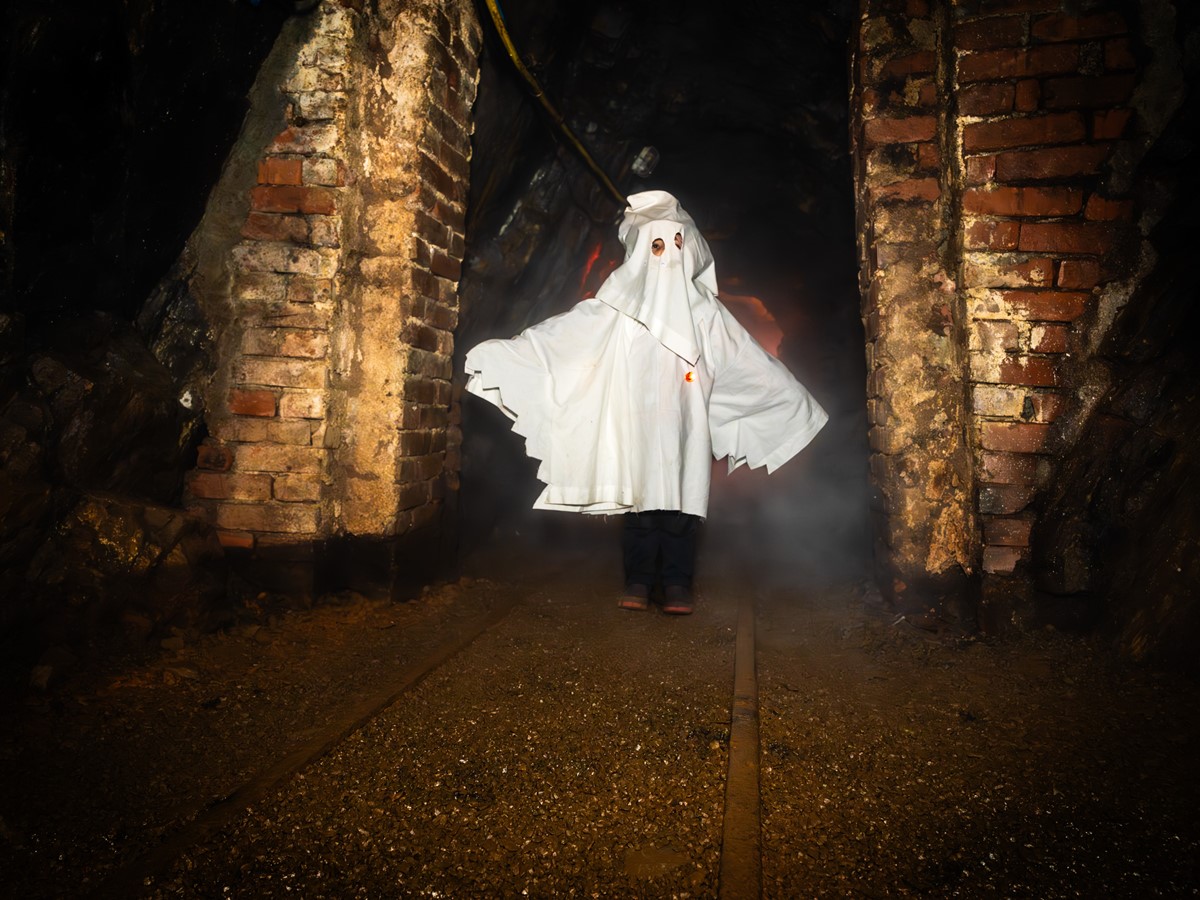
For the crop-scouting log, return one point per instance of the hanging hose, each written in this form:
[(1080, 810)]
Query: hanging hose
[(498, 20)]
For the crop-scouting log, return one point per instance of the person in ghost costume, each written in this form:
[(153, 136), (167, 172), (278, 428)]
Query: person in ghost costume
[(626, 398)]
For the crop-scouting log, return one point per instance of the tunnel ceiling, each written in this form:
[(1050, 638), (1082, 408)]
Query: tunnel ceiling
[(746, 105), (115, 122)]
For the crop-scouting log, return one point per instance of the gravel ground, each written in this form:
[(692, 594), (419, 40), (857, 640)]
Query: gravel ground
[(898, 764), (100, 768), (575, 750), (578, 750)]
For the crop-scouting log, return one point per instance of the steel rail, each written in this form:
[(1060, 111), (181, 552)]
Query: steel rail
[(135, 876), (740, 875)]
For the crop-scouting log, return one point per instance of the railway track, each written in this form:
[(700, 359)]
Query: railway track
[(740, 866)]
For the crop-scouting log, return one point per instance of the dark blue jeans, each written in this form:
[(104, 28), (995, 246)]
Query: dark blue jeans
[(659, 545)]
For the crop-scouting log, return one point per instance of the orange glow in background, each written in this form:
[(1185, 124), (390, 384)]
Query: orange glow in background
[(756, 319)]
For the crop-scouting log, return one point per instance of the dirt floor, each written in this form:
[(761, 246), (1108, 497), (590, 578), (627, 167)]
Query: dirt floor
[(574, 749)]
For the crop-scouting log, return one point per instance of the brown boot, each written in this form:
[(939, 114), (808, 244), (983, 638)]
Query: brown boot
[(678, 601), (636, 598)]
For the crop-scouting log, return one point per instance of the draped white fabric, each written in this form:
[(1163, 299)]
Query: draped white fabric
[(626, 399)]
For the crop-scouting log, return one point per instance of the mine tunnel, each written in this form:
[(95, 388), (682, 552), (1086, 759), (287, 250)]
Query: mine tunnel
[(279, 615)]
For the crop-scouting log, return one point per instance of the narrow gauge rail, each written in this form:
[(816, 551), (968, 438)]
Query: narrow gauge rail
[(739, 875)]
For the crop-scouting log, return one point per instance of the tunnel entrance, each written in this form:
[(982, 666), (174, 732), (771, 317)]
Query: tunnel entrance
[(753, 143)]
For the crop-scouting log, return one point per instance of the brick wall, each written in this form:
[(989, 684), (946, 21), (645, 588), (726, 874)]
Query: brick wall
[(925, 532), (329, 414), (1009, 114)]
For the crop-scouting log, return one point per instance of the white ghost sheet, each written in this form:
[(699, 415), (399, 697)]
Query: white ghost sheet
[(626, 399)]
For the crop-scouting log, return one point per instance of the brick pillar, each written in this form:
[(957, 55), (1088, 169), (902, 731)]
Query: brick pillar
[(329, 412), (1041, 101), (994, 234), (920, 461)]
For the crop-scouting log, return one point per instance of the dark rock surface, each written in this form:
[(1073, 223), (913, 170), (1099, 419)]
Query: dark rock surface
[(1116, 548), (94, 443)]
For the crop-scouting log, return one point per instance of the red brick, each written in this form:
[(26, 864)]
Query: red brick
[(1053, 338), (297, 488), (294, 199), (1007, 531), (987, 99), (927, 95), (1049, 306), (990, 33), (321, 170), (1087, 91), (302, 289), (929, 157), (992, 234), (306, 139), (1067, 237), (252, 429), (1007, 468), (908, 130), (1014, 437), (213, 457), (261, 226), (1005, 499), (1028, 95), (1109, 124), (1078, 28), (1037, 272), (252, 403), (980, 169), (997, 336), (1029, 371), (444, 266), (1102, 209), (1002, 560), (270, 517), (235, 540), (433, 172), (1046, 406), (229, 486), (280, 372), (1118, 55), (910, 189), (279, 170), (300, 343), (279, 458), (1078, 274), (920, 63), (993, 65), (1023, 201), (1063, 128), (1051, 162)]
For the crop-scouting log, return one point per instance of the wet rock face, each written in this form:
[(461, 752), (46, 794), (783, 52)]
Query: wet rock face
[(93, 448), (1116, 544)]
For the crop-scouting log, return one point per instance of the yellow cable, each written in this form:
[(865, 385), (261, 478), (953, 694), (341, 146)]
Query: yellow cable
[(498, 21)]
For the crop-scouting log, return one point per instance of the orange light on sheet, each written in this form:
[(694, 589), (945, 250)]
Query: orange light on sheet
[(689, 377), (593, 274)]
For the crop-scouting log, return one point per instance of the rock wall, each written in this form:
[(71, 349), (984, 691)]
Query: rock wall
[(998, 145), (328, 263)]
